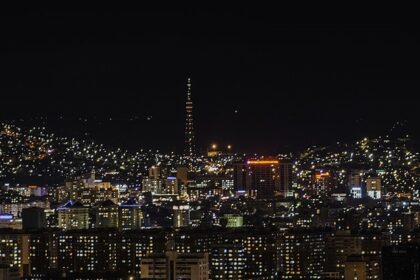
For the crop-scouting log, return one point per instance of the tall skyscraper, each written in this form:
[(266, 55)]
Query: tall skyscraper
[(189, 124), (239, 176), (286, 177), (263, 178)]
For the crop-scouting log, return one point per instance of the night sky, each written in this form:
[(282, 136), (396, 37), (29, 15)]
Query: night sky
[(258, 83)]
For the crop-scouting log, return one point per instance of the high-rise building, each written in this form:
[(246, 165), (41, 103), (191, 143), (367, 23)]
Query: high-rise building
[(85, 252), (154, 172), (286, 178), (374, 187), (260, 252), (155, 186), (172, 265), (106, 214), (43, 251), (372, 242), (130, 215), (51, 217), (263, 178), (227, 261), (14, 252), (355, 184), (73, 215), (355, 268), (171, 185), (235, 253), (34, 218), (181, 215), (189, 123), (340, 245), (182, 174), (239, 176), (362, 267), (138, 244), (303, 254)]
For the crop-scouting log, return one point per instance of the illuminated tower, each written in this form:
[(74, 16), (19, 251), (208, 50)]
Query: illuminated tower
[(189, 124)]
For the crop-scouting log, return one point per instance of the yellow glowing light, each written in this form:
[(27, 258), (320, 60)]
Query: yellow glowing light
[(262, 162), (214, 146), (322, 175), (229, 147)]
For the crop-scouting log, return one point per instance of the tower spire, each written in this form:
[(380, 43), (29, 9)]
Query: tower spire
[(189, 123), (189, 89)]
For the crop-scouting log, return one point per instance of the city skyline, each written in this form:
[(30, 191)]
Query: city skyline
[(201, 144)]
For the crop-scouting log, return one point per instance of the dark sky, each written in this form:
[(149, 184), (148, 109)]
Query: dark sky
[(292, 85)]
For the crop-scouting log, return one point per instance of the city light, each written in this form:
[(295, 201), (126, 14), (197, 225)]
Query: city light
[(262, 162), (282, 162)]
